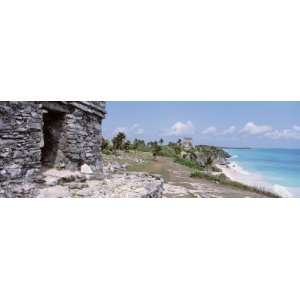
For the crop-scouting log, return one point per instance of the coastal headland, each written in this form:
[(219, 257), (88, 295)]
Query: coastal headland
[(137, 170), (196, 171)]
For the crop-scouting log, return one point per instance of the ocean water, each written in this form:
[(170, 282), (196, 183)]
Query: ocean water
[(280, 167)]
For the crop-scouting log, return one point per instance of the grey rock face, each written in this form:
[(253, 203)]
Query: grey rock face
[(58, 134), (68, 184), (212, 156)]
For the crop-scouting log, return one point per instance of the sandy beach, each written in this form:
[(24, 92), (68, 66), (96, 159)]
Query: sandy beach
[(237, 173)]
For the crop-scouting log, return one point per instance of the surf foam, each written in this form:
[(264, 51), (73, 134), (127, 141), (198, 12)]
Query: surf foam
[(236, 173)]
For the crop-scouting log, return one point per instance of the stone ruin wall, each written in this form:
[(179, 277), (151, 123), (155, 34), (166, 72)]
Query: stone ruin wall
[(81, 141), (22, 142), (20, 152)]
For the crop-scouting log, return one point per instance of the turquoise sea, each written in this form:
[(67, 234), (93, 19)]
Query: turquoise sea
[(277, 166)]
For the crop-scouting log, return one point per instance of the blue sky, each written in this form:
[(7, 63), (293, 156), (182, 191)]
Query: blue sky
[(230, 123)]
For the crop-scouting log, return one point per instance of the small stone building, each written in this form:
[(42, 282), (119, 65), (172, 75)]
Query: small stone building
[(37, 135), (187, 143)]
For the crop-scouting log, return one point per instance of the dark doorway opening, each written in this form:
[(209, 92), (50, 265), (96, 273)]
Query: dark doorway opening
[(52, 130)]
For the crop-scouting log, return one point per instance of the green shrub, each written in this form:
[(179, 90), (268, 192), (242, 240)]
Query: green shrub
[(156, 149), (188, 163), (107, 151), (167, 151)]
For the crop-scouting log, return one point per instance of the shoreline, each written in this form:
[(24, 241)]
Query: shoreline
[(178, 179), (236, 173)]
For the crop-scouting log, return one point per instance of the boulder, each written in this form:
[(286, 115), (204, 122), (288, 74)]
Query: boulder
[(77, 185), (86, 169)]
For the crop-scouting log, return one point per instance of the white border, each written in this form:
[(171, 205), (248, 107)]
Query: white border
[(157, 50)]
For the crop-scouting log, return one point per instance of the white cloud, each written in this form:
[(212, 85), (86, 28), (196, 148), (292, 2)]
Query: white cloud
[(181, 128), (297, 128), (253, 129), (284, 134), (229, 130), (134, 129), (134, 126), (119, 129), (210, 130), (140, 131)]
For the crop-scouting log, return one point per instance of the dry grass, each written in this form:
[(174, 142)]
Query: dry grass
[(222, 179)]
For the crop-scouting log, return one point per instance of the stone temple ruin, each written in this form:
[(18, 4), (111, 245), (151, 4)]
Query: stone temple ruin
[(38, 135)]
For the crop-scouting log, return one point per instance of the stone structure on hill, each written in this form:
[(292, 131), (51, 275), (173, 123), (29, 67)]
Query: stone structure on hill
[(187, 143), (38, 135)]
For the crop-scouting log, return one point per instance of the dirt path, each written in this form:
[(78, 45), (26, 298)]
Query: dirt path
[(178, 182)]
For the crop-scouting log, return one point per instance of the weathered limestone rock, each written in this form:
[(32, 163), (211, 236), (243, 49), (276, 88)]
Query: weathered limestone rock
[(59, 134), (126, 185), (86, 169), (207, 155)]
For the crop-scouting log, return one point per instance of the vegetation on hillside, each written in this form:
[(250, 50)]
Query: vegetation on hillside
[(200, 156), (201, 159), (189, 163)]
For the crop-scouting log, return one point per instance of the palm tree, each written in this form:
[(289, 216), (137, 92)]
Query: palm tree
[(161, 141), (127, 146), (156, 150), (118, 141), (104, 144)]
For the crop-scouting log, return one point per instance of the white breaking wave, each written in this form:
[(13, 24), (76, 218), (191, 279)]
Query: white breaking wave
[(235, 172), (282, 191), (238, 168)]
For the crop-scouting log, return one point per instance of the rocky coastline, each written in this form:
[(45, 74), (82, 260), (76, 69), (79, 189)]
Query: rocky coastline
[(115, 183)]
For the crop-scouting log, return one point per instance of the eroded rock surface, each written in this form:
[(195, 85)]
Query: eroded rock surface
[(61, 184)]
